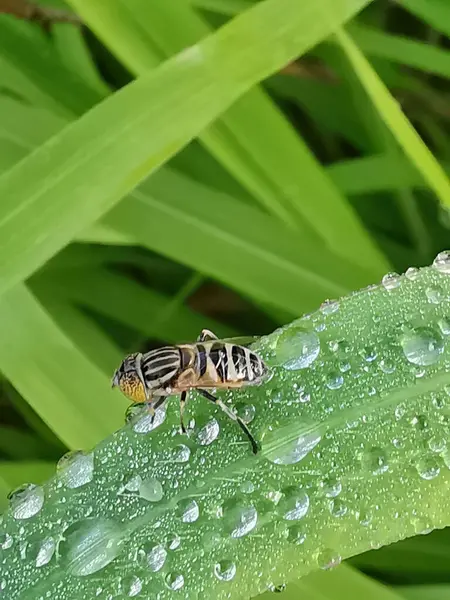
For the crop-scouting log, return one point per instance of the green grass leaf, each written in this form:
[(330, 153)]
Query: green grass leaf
[(353, 455), (413, 146), (57, 380), (434, 12), (82, 172)]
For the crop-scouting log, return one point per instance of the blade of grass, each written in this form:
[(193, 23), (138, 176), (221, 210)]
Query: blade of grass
[(18, 444), (425, 592), (78, 175), (394, 118), (282, 172), (57, 376), (434, 12)]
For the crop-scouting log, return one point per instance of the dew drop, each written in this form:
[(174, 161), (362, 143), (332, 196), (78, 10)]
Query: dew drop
[(151, 489), (422, 346), (225, 570), (246, 412), (294, 504), (154, 556), (390, 281), (297, 348), (434, 295), (444, 325), (442, 262), (173, 541), (240, 518), (40, 551), (208, 433), (375, 461), (428, 468), (247, 487), (181, 453), (189, 510), (335, 380), (290, 452), (331, 486), (328, 559), (174, 581), (329, 306), (296, 535), (75, 469), (276, 589), (144, 422), (412, 273), (437, 444), (387, 366), (338, 508), (6, 541), (131, 585), (89, 546), (26, 501)]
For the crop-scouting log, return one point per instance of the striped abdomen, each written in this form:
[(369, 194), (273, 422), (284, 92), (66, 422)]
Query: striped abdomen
[(220, 363), (160, 366)]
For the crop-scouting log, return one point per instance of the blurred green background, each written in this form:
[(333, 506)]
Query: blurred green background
[(311, 186)]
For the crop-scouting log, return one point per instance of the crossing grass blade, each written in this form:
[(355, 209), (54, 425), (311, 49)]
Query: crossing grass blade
[(434, 12), (388, 109), (57, 376), (282, 173), (78, 175)]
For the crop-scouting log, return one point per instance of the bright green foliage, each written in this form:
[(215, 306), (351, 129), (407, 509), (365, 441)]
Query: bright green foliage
[(353, 430)]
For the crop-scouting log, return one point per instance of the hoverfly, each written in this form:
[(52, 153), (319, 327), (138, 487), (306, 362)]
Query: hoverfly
[(208, 363)]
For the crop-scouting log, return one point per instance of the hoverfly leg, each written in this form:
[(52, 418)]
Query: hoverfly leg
[(152, 408), (232, 416), (206, 335), (183, 398)]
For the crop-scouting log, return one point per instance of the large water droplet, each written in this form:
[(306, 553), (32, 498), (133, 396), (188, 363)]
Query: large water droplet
[(151, 489), (442, 262), (208, 433), (444, 325), (276, 589), (297, 348), (89, 546), (225, 570), (246, 412), (174, 581), (173, 541), (189, 510), (75, 469), (6, 541), (329, 306), (328, 559), (412, 273), (181, 453), (391, 281), (153, 556), (240, 518), (428, 467), (131, 585), (422, 346), (26, 501), (331, 486), (296, 535), (334, 380), (338, 508), (290, 452), (40, 551), (144, 422), (294, 504), (434, 295), (375, 460)]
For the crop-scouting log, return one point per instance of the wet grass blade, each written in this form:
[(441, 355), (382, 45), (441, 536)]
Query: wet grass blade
[(353, 455)]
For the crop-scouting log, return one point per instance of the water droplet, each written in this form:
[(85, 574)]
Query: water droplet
[(174, 581), (328, 559), (375, 461), (75, 469), (294, 505), (181, 453), (290, 452), (428, 467), (444, 325), (246, 412), (173, 541), (225, 570), (189, 510), (26, 501), (247, 487), (390, 281), (151, 489), (335, 380), (89, 546), (422, 346), (332, 487), (154, 556), (240, 518), (131, 585), (296, 535), (144, 422), (412, 273), (304, 397), (387, 366), (39, 551), (208, 433), (365, 517), (434, 295), (329, 306), (276, 589), (442, 262), (437, 444), (338, 508), (297, 348), (6, 541)]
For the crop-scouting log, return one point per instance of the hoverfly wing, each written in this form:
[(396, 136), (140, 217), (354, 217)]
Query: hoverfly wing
[(244, 340)]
